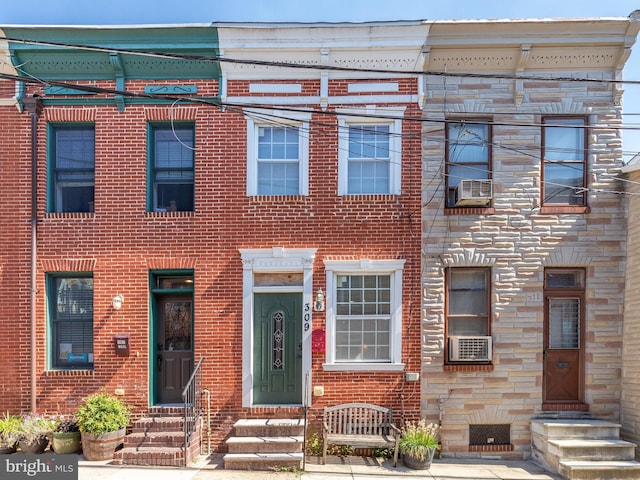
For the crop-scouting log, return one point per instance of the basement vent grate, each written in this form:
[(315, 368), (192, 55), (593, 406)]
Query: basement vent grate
[(499, 434)]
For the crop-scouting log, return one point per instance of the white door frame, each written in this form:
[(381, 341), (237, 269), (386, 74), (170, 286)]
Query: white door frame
[(275, 260)]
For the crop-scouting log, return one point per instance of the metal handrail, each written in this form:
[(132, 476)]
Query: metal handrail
[(192, 398)]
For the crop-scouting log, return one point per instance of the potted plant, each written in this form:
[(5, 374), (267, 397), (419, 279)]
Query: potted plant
[(418, 443), (102, 420), (34, 432), (9, 426), (66, 437)]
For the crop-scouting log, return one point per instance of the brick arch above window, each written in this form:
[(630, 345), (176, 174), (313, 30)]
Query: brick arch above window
[(166, 114), (69, 265), (469, 257), (75, 114), (565, 257), (171, 263)]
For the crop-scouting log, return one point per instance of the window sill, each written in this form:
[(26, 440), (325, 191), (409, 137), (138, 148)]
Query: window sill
[(71, 215), (181, 214), (69, 373), (549, 210), (475, 367), (373, 367), (369, 198), (261, 199), (469, 210)]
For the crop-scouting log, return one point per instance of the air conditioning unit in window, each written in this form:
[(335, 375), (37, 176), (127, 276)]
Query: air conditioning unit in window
[(469, 349), (473, 193)]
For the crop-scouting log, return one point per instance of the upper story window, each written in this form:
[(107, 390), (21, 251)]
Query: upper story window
[(468, 164), (70, 302), (277, 154), (171, 168), (364, 315), (467, 322), (370, 154), (71, 168), (564, 172)]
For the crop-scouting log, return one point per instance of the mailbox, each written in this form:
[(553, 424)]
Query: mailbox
[(121, 344)]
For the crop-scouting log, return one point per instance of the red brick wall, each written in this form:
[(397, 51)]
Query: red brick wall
[(122, 242)]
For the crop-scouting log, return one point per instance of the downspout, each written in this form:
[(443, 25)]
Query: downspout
[(34, 106)]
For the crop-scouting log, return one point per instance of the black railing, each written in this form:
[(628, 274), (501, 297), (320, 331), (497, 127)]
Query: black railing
[(192, 398)]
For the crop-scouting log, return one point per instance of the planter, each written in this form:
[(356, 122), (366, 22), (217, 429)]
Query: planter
[(416, 463), (101, 446), (64, 443), (5, 450), (36, 446)]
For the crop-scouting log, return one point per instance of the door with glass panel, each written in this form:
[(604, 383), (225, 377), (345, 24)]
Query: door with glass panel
[(277, 351), (563, 349)]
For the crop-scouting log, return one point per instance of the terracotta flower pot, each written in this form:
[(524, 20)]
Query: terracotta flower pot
[(101, 446), (65, 443)]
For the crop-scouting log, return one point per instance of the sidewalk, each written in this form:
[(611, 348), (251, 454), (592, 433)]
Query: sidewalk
[(350, 468)]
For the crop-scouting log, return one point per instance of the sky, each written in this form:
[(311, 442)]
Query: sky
[(128, 12)]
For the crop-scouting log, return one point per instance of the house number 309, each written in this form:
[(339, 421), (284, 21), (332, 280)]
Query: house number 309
[(307, 317)]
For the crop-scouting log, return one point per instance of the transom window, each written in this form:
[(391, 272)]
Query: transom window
[(72, 168), (564, 167), (468, 157), (364, 315), (171, 178), (70, 300), (564, 298)]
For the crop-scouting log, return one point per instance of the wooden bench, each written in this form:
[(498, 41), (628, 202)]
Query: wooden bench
[(360, 425)]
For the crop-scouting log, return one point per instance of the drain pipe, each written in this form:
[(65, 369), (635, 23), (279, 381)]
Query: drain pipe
[(207, 392), (441, 402), (34, 106)]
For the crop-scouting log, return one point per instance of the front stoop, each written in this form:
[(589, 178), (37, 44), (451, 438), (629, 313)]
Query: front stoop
[(264, 444), (158, 439), (583, 449)]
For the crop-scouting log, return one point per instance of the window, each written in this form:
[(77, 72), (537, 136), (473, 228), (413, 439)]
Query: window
[(364, 314), (468, 157), (70, 300), (467, 313), (564, 296), (171, 172), (564, 166), (370, 154), (72, 168), (277, 151)]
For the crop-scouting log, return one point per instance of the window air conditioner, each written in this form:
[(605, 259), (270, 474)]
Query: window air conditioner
[(473, 193), (470, 349)]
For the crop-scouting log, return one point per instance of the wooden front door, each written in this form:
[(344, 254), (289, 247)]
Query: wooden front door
[(277, 349), (174, 356), (563, 351)]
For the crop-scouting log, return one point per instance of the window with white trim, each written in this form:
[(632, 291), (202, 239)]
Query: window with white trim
[(364, 314), (370, 153), (277, 154)]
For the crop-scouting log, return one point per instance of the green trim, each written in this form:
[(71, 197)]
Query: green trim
[(53, 102), (65, 91), (171, 89)]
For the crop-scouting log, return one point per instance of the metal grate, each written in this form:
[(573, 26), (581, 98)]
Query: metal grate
[(499, 434)]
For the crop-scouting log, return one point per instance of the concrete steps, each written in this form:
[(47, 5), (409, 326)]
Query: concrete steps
[(262, 444), (583, 449)]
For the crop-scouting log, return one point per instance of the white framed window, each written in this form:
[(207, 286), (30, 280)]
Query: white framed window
[(370, 151), (277, 153), (364, 315)]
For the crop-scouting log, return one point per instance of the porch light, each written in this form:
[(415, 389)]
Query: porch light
[(318, 305), (117, 302)]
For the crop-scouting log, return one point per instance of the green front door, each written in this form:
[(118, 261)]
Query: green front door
[(277, 348)]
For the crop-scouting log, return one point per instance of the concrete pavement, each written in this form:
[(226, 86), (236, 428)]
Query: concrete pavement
[(350, 468)]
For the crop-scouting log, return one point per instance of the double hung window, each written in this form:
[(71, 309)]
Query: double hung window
[(364, 314), (171, 177), (70, 306), (72, 168), (564, 166), (468, 157)]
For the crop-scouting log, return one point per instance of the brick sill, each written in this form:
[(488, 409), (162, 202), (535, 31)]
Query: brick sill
[(469, 368), (68, 373), (548, 210), (491, 448), (470, 211), (565, 407)]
